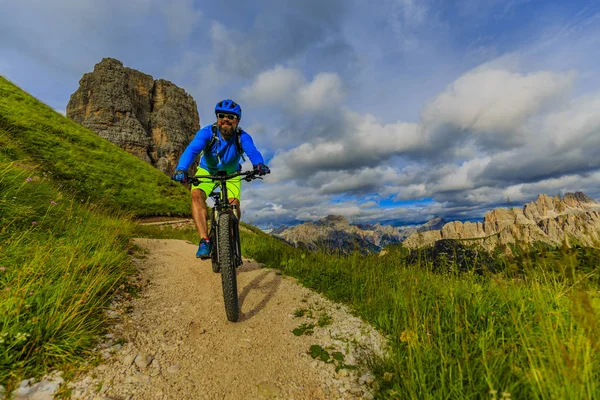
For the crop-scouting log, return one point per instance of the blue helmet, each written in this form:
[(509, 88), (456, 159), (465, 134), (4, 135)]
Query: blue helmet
[(230, 107)]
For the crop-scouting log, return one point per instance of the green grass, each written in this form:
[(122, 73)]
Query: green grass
[(67, 198), (530, 330), (82, 161), (60, 260)]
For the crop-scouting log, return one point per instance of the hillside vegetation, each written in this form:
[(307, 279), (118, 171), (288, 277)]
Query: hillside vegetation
[(60, 259), (82, 161), (67, 198)]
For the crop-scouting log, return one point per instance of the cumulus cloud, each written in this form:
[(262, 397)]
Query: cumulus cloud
[(561, 143), (287, 88), (324, 92), (490, 106), (274, 86), (362, 142), (485, 109)]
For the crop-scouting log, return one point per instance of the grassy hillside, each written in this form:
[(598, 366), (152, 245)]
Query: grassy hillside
[(60, 260), (67, 198), (82, 161), (528, 331)]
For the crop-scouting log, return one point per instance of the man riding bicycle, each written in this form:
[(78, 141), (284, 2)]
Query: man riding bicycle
[(223, 144)]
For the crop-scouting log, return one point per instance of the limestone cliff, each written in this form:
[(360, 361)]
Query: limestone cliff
[(151, 119), (548, 219)]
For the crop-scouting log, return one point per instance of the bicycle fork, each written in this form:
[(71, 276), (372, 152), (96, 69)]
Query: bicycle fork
[(237, 249), (236, 237)]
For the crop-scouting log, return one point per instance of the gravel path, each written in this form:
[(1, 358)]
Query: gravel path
[(174, 341)]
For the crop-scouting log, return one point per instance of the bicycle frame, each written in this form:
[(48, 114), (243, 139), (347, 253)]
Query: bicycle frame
[(222, 205)]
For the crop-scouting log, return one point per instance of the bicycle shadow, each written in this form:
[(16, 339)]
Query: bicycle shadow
[(268, 288)]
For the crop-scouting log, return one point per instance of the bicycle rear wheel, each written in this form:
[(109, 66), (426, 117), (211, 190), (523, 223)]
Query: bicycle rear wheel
[(227, 263)]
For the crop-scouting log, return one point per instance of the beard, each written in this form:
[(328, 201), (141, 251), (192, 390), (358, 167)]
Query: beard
[(226, 131)]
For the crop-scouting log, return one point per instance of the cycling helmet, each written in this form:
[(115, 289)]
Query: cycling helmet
[(230, 107)]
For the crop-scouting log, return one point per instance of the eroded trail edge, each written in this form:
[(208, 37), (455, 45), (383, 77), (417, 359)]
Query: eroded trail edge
[(174, 341)]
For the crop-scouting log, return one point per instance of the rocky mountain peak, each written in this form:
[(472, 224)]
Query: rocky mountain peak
[(333, 221), (434, 223), (151, 119), (577, 199), (547, 219)]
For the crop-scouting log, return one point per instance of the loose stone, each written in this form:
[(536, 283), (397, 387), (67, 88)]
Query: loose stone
[(142, 361), (128, 360), (173, 369)]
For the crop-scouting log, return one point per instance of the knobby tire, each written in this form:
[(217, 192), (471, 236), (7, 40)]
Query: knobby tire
[(227, 263)]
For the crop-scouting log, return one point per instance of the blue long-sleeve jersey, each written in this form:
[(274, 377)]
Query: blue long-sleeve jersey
[(223, 156)]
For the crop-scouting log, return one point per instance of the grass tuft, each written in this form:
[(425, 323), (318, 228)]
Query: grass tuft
[(60, 260)]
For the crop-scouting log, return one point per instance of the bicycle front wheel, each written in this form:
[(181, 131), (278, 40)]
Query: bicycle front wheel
[(227, 263)]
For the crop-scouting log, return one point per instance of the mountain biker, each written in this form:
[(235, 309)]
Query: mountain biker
[(224, 154)]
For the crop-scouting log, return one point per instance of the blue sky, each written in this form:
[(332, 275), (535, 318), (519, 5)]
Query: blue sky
[(395, 110)]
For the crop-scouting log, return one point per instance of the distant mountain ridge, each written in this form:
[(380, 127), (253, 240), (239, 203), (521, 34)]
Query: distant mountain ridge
[(335, 233), (551, 220)]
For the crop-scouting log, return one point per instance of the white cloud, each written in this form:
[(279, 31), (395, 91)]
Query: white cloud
[(324, 92), (461, 177), (491, 105), (287, 88), (274, 86), (576, 125), (363, 142), (364, 180)]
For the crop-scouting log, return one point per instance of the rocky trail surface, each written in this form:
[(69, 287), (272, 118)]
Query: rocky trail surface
[(173, 341)]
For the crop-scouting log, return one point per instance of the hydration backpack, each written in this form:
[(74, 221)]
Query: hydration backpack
[(238, 140)]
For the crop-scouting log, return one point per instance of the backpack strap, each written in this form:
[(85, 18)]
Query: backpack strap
[(214, 137)]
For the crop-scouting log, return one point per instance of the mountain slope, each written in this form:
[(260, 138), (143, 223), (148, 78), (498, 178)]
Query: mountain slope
[(334, 233), (76, 158), (552, 220)]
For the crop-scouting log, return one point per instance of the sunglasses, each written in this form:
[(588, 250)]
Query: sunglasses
[(230, 117)]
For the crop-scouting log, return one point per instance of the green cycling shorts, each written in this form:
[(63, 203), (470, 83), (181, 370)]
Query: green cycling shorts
[(234, 185)]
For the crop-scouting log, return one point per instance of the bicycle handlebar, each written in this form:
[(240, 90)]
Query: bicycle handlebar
[(248, 176)]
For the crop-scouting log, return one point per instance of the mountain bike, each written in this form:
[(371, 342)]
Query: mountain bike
[(224, 234)]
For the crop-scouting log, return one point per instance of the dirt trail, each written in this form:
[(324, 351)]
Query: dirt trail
[(181, 346)]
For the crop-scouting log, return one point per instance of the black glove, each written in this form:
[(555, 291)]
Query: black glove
[(261, 169), (180, 176)]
